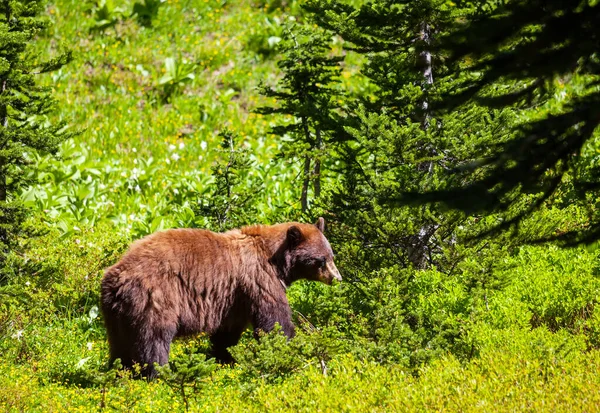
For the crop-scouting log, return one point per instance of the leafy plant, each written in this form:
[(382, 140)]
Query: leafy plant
[(176, 74), (106, 15), (265, 37), (146, 11)]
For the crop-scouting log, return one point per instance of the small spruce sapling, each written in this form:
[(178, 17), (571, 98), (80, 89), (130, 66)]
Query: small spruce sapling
[(230, 202), (187, 374)]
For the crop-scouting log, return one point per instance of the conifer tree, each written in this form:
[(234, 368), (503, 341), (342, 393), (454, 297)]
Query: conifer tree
[(402, 145), (24, 106), (398, 144), (307, 92)]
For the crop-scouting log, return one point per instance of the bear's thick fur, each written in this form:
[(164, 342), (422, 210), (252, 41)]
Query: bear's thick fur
[(185, 281)]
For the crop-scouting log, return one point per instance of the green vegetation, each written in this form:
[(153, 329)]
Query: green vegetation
[(215, 114), (520, 55), (24, 107)]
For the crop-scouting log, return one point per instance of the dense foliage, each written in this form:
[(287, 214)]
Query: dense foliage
[(24, 108), (204, 113), (525, 54)]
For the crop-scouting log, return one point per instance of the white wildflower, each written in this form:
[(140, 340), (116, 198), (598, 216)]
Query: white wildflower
[(82, 362)]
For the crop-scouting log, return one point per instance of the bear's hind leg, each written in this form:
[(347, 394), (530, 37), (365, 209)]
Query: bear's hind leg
[(119, 341)]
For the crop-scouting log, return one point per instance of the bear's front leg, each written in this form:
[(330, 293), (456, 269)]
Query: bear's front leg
[(270, 311), (222, 339)]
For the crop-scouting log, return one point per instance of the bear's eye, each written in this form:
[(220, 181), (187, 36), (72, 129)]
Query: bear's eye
[(322, 262)]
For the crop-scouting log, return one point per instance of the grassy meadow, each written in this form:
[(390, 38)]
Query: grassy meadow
[(153, 102)]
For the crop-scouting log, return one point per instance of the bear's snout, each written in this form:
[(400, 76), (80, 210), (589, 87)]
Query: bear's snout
[(330, 273)]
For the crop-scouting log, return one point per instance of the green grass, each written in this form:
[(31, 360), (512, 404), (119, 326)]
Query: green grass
[(148, 142), (498, 382)]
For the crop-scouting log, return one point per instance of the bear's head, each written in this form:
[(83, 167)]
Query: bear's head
[(308, 254)]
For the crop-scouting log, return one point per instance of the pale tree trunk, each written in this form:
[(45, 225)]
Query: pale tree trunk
[(3, 190), (317, 167), (305, 183), (426, 64), (2, 186), (419, 250), (306, 177), (4, 122)]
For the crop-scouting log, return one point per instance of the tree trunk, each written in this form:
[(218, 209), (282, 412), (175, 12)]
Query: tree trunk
[(304, 196), (2, 187), (426, 63), (3, 190), (4, 123), (419, 250), (317, 167), (3, 233), (306, 178)]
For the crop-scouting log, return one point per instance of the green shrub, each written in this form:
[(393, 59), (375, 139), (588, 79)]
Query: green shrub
[(552, 287), (273, 358), (187, 374)]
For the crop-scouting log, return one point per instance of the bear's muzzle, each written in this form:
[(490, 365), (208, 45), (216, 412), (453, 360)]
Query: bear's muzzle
[(332, 272)]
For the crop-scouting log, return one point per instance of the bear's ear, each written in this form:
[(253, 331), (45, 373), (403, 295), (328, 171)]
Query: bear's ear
[(320, 224), (294, 236)]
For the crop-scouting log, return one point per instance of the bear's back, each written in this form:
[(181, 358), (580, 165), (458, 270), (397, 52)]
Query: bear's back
[(186, 251)]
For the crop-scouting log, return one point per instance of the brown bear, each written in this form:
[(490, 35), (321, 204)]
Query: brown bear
[(184, 281)]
